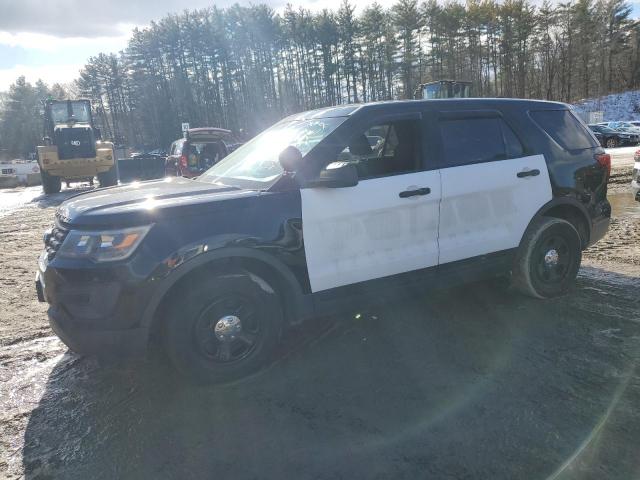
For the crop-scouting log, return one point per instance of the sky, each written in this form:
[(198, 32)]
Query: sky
[(52, 39)]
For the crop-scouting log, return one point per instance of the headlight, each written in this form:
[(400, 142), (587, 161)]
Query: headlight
[(102, 246)]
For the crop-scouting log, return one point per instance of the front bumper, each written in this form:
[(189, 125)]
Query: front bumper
[(93, 317), (129, 343)]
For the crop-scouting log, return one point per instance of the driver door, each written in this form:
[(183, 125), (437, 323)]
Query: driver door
[(385, 225)]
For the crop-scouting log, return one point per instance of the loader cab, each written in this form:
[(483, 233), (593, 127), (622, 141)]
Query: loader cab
[(443, 89), (69, 126), (69, 111)]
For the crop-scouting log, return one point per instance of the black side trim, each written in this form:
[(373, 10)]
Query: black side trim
[(416, 283)]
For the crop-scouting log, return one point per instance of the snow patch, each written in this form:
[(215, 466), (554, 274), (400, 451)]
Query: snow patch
[(615, 107)]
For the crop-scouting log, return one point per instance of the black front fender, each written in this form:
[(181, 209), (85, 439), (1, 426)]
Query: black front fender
[(301, 305)]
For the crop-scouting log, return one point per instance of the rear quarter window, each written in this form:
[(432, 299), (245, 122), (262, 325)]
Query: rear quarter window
[(478, 139), (564, 128)]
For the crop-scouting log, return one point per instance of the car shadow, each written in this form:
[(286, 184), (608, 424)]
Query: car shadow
[(474, 382)]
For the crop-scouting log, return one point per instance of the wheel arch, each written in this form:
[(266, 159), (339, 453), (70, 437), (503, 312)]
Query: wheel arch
[(571, 210), (296, 305)]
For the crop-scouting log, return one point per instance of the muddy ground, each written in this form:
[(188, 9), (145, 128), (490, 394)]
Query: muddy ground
[(475, 382)]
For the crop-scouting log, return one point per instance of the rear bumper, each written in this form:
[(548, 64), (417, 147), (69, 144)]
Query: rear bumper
[(79, 169), (599, 229)]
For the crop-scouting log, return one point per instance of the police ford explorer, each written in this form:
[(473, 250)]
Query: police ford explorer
[(325, 209)]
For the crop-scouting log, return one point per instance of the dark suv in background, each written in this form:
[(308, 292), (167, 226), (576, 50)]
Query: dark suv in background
[(610, 138), (326, 210), (198, 151)]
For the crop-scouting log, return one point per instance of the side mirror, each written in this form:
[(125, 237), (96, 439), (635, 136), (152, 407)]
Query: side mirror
[(336, 175), (290, 159)]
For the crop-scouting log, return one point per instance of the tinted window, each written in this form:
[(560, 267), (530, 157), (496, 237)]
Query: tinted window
[(564, 128), (387, 149), (475, 140), (514, 147)]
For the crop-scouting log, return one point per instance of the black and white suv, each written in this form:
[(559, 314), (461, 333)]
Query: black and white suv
[(327, 208)]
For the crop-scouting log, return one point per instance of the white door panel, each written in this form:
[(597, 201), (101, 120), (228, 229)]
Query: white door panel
[(486, 207), (364, 232)]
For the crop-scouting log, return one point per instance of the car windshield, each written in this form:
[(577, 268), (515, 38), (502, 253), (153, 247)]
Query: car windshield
[(255, 165), (81, 112)]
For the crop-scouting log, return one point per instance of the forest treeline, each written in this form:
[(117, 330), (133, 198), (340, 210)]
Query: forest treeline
[(246, 67)]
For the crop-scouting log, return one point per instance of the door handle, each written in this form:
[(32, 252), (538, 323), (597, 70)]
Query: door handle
[(529, 173), (413, 193)]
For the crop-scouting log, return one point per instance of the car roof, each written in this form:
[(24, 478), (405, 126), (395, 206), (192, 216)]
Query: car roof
[(400, 106)]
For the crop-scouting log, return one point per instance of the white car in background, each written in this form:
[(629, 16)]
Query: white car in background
[(19, 172)]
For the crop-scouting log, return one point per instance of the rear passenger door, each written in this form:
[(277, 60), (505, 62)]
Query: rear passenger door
[(491, 188)]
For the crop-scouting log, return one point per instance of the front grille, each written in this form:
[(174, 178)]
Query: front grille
[(54, 240), (76, 142)]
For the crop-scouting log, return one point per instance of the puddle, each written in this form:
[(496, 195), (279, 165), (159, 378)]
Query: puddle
[(623, 204)]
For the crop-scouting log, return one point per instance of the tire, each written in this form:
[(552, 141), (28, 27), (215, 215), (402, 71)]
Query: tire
[(224, 327), (50, 183), (110, 177), (548, 258), (611, 143)]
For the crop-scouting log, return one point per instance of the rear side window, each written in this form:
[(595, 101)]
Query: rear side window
[(480, 139), (564, 128)]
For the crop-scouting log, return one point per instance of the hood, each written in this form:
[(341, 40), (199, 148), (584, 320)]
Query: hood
[(146, 202)]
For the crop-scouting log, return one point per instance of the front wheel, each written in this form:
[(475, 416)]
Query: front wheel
[(612, 143), (548, 258), (223, 327)]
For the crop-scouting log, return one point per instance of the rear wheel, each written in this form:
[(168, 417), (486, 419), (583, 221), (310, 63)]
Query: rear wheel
[(612, 142), (223, 328), (110, 177), (548, 258), (50, 183)]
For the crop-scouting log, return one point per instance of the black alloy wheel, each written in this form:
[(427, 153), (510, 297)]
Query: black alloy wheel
[(221, 326), (548, 258), (228, 330), (552, 260)]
